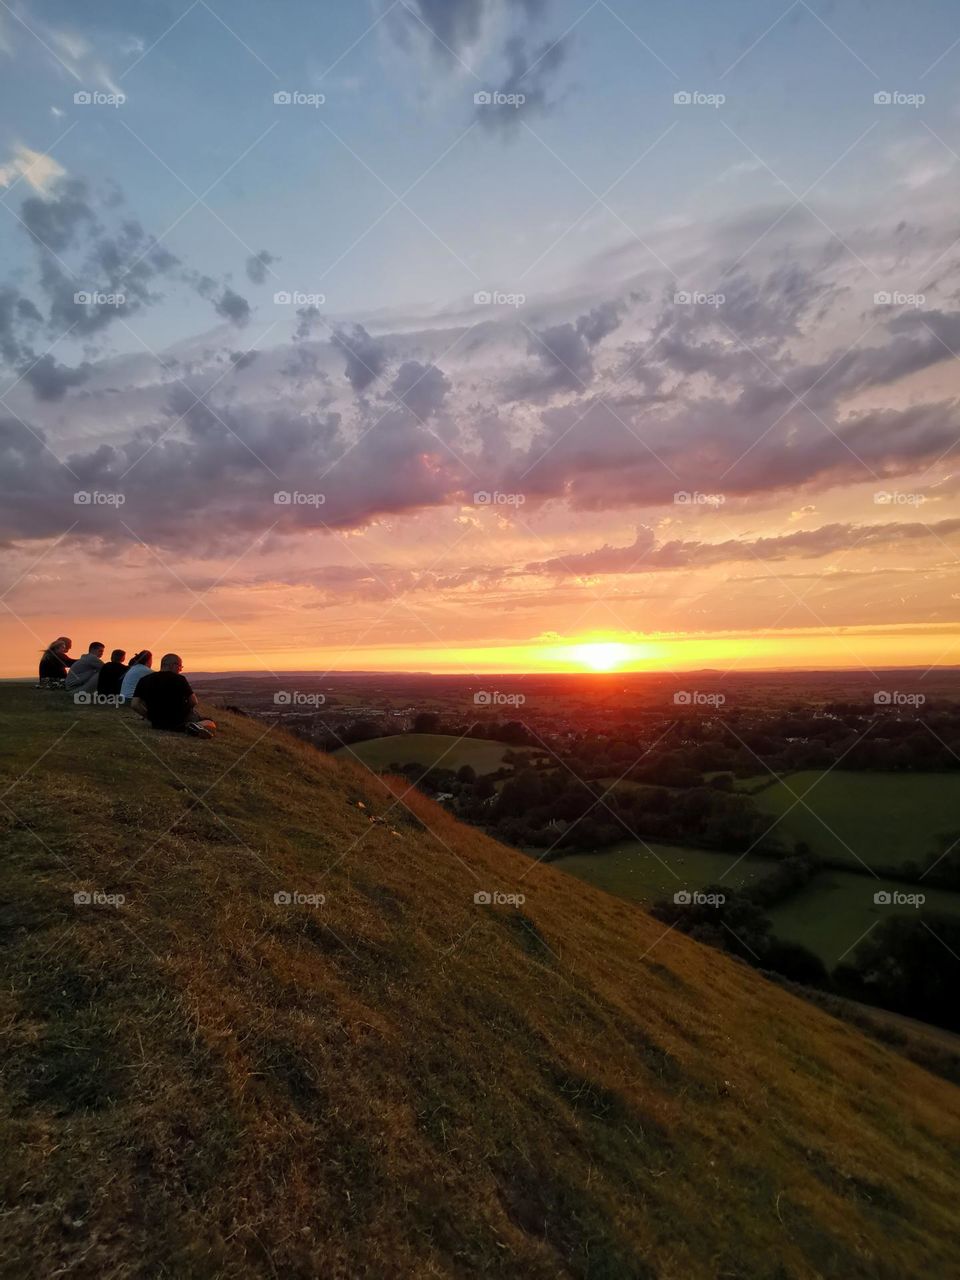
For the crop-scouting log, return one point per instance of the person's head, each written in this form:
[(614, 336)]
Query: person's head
[(96, 648), (118, 655), (171, 662), (60, 646), (144, 658)]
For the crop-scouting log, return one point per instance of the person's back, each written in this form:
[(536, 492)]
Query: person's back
[(111, 675), (83, 675), (55, 662), (166, 699), (141, 664)]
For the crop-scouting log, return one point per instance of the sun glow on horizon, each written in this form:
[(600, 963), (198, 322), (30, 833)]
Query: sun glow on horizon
[(601, 656)]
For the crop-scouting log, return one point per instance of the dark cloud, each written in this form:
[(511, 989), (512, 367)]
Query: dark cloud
[(565, 354), (242, 359), (233, 307), (421, 388), (56, 223), (523, 91), (646, 555), (365, 356), (51, 381), (257, 265)]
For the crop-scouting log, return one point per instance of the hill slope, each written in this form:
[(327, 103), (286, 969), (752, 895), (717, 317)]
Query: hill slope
[(402, 1082)]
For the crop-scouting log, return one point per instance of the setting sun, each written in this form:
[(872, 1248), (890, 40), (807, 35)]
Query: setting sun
[(601, 657)]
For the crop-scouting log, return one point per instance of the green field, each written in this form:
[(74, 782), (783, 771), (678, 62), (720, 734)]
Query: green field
[(428, 749), (831, 913), (880, 819), (644, 872)]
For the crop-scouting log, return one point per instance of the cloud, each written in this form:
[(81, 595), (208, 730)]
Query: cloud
[(36, 168), (233, 307), (51, 380), (646, 555), (366, 356), (524, 87), (421, 388), (565, 353), (258, 264)]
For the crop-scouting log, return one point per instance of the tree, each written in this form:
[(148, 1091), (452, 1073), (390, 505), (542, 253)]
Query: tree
[(426, 722)]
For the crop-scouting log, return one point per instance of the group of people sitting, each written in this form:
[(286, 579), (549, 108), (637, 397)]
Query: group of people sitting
[(163, 697)]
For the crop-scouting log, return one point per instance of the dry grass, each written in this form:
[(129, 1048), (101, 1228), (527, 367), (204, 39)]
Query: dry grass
[(401, 1082)]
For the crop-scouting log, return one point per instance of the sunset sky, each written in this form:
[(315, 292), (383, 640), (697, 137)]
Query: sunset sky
[(381, 374)]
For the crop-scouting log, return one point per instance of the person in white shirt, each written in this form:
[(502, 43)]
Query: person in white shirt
[(83, 675), (141, 664)]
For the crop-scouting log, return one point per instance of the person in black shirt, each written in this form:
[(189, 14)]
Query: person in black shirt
[(111, 675), (54, 663), (165, 699)]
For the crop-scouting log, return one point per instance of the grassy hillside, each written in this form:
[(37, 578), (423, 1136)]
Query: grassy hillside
[(203, 1082), (428, 749), (881, 819)]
